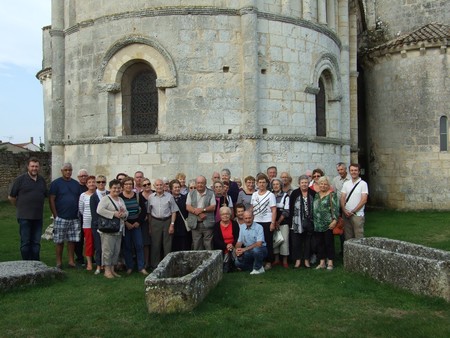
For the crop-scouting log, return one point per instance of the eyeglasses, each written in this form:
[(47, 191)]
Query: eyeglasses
[(147, 185), (128, 184), (101, 182), (316, 176), (83, 176)]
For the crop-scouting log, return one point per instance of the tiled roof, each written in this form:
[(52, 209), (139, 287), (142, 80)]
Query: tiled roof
[(432, 32)]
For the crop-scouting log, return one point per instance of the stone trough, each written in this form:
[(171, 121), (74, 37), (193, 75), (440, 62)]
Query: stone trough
[(19, 273), (182, 280), (413, 267)]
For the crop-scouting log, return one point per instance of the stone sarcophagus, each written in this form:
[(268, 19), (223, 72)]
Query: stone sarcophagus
[(182, 280), (413, 267), (21, 273)]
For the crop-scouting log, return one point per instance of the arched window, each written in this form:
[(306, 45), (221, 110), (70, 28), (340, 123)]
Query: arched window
[(443, 130), (321, 123), (140, 100)]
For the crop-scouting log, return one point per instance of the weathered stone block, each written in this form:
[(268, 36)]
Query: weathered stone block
[(182, 280), (413, 267), (17, 273)]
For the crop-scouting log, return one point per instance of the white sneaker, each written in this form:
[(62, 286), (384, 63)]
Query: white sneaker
[(258, 272)]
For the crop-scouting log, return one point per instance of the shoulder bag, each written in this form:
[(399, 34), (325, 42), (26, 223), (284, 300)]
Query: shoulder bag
[(278, 238), (109, 225), (339, 227), (186, 224)]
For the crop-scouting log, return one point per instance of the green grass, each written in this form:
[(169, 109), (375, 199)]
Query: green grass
[(290, 303)]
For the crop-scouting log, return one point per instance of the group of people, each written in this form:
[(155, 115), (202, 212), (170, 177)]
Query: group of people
[(239, 218)]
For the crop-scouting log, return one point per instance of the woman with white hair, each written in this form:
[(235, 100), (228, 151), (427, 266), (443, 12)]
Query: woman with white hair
[(225, 236), (325, 213)]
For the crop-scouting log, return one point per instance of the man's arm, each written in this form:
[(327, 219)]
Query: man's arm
[(361, 203), (240, 250), (51, 200), (12, 200), (346, 212), (254, 245)]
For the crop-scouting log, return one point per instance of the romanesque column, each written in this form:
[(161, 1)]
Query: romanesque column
[(331, 14), (306, 9), (58, 60), (250, 78), (353, 49), (322, 11), (343, 32), (58, 86)]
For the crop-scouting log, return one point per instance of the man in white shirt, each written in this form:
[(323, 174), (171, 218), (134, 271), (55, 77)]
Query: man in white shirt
[(353, 200)]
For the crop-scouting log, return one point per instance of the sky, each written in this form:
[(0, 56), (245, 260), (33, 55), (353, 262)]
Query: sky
[(21, 95)]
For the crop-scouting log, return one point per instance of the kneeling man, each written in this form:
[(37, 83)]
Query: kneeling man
[(251, 248)]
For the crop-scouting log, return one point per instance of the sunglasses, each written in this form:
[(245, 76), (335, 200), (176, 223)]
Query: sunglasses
[(147, 185), (101, 182), (316, 176), (190, 188)]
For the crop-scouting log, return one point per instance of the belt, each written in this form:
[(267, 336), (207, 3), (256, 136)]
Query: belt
[(161, 219)]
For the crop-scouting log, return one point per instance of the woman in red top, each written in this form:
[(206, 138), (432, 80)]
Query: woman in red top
[(225, 236)]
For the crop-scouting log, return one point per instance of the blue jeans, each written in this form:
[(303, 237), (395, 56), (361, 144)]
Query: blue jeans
[(30, 238), (252, 259), (133, 237)]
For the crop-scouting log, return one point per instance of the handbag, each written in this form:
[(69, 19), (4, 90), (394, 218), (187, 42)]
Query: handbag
[(109, 225), (278, 238), (339, 228), (48, 233), (186, 224), (307, 226)]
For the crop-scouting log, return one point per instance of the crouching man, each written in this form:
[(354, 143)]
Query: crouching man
[(251, 248)]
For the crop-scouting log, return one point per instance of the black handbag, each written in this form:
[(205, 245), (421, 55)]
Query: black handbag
[(109, 225)]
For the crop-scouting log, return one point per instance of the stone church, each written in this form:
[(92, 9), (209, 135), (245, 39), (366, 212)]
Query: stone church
[(165, 86)]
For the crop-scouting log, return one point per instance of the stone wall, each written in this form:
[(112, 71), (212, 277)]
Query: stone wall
[(165, 158), (406, 97), (13, 165), (236, 86), (403, 16)]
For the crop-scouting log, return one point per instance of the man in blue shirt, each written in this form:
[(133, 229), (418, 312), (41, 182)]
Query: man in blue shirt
[(63, 196), (251, 247)]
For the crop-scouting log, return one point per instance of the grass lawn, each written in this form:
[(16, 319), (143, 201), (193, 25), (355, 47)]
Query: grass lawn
[(281, 302)]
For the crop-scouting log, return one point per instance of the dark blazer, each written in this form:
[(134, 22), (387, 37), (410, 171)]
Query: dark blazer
[(233, 191), (180, 228), (218, 242), (296, 194)]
